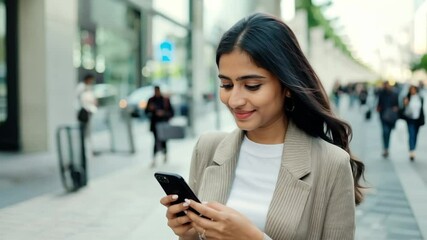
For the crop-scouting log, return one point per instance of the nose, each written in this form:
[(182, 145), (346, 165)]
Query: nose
[(236, 98)]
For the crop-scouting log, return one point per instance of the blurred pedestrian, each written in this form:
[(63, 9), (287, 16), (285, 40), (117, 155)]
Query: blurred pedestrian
[(158, 110), (86, 98), (286, 172), (363, 94), (337, 90), (353, 96), (387, 107), (414, 115), (87, 106)]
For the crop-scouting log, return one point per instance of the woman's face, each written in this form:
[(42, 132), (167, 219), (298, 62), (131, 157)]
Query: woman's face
[(413, 90), (253, 95)]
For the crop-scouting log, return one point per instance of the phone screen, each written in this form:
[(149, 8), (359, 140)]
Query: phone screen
[(173, 183)]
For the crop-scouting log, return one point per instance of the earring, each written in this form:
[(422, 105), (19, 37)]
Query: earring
[(289, 101)]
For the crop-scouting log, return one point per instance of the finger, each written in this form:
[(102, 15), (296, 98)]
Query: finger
[(200, 221), (179, 221), (167, 200), (198, 228), (183, 229), (203, 221), (203, 209), (175, 209)]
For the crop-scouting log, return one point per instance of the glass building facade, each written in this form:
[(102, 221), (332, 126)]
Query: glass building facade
[(9, 139), (108, 43), (126, 44)]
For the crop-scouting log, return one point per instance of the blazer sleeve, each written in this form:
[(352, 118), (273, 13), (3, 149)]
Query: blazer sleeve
[(193, 179), (202, 157), (340, 214)]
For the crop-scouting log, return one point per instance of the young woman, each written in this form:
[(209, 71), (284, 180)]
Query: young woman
[(286, 172), (414, 116)]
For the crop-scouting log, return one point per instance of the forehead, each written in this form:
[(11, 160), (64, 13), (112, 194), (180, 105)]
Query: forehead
[(238, 61)]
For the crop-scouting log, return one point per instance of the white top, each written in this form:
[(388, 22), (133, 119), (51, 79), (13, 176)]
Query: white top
[(86, 97), (413, 109), (256, 176)]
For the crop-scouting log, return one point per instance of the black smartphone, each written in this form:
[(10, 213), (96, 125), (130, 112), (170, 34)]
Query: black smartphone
[(173, 183)]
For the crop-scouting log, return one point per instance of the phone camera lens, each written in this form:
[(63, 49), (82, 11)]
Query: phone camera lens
[(163, 179)]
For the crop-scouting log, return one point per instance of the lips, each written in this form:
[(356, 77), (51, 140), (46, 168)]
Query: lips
[(242, 115)]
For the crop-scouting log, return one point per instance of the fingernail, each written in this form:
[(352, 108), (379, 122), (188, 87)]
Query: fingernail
[(185, 204), (175, 197), (187, 201), (185, 211), (204, 202)]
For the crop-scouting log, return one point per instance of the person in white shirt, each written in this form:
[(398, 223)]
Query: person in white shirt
[(85, 96), (87, 105), (414, 116)]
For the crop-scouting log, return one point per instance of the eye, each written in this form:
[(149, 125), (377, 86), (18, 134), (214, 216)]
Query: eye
[(253, 87), (226, 86)]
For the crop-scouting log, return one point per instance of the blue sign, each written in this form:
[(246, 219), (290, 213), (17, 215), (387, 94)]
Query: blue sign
[(166, 51)]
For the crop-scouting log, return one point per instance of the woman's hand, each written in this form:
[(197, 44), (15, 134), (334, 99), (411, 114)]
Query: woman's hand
[(222, 222), (180, 225)]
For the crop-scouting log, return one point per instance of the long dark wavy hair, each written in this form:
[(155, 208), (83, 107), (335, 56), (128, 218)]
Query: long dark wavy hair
[(272, 45)]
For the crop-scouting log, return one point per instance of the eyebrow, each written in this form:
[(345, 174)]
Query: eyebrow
[(250, 76)]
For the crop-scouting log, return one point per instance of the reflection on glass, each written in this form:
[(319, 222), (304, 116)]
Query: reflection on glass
[(88, 50), (116, 44), (168, 66), (77, 55), (3, 86)]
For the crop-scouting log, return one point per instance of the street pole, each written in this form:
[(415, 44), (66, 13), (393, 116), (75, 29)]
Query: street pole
[(196, 60), (189, 93)]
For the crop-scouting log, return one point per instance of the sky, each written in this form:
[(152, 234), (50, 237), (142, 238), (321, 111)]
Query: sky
[(366, 24)]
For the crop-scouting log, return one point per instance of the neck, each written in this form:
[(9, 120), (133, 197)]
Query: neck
[(274, 134)]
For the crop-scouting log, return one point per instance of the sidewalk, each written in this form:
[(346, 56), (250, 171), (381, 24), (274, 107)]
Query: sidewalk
[(125, 204), (394, 207)]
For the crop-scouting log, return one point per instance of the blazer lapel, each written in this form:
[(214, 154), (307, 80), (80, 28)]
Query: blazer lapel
[(218, 178), (291, 193)]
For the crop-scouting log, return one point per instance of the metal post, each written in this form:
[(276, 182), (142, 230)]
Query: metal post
[(83, 128), (197, 69), (189, 95), (128, 122)]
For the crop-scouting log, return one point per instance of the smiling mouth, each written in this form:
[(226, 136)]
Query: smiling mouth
[(243, 115)]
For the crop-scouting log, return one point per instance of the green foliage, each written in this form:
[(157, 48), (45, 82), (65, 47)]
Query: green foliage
[(421, 64), (317, 19)]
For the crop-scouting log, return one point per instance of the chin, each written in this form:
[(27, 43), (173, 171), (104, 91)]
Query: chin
[(244, 126)]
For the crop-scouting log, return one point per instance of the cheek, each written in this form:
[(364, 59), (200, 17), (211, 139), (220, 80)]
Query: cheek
[(223, 96), (273, 100), (277, 103)]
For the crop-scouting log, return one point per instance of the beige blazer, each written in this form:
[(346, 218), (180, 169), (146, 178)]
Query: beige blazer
[(314, 195)]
